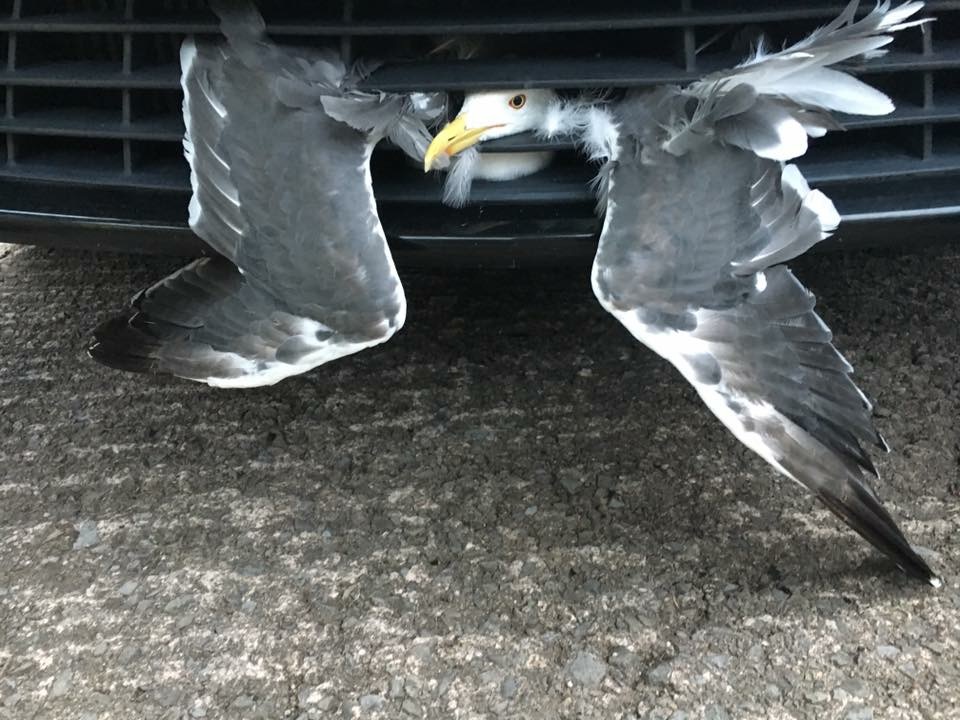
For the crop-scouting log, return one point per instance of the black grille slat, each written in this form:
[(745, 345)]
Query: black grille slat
[(550, 17), (67, 123), (92, 92)]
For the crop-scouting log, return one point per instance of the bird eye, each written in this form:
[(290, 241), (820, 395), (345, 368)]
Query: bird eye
[(518, 101)]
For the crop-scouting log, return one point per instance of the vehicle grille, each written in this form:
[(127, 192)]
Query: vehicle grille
[(91, 108)]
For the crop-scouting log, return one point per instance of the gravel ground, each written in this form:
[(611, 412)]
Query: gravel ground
[(511, 510)]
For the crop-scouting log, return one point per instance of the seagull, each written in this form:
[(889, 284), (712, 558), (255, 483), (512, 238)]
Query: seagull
[(701, 207), (279, 144)]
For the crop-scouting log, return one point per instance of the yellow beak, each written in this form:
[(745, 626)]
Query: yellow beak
[(454, 138)]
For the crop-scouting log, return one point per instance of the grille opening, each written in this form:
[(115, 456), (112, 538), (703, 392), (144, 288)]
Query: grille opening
[(866, 144), (156, 105), (946, 139), (156, 157), (156, 50), (946, 28), (39, 49), (74, 104), (946, 88), (903, 89), (83, 154)]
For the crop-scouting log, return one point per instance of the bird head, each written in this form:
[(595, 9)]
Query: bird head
[(488, 115)]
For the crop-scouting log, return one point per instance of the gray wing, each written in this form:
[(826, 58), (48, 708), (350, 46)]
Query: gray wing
[(700, 211), (279, 148), (686, 263)]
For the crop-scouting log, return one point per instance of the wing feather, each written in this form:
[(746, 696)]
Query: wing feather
[(688, 262), (282, 192)]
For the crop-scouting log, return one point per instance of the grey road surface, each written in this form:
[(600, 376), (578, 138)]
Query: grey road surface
[(512, 510)]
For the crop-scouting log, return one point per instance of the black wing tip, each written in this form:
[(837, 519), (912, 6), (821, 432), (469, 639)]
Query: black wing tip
[(864, 514), (119, 345), (916, 567)]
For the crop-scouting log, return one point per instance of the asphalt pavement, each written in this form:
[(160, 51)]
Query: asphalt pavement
[(510, 510)]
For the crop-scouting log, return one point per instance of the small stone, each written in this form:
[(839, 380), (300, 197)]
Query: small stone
[(129, 587), (128, 654), (680, 715), (509, 687), (719, 661), (396, 687), (888, 651), (99, 649), (167, 696), (197, 710), (248, 605), (61, 683), (715, 712), (661, 673), (326, 703), (371, 702), (854, 688), (908, 669), (88, 716), (842, 659), (176, 604), (242, 702), (859, 712), (587, 669), (411, 707), (570, 480), (531, 510), (184, 620), (772, 691), (623, 658), (816, 697), (87, 535)]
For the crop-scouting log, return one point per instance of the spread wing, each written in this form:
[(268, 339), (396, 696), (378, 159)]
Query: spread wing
[(279, 148), (700, 211)]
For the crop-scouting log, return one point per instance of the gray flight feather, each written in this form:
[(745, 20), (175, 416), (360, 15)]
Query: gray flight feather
[(279, 144), (699, 212)]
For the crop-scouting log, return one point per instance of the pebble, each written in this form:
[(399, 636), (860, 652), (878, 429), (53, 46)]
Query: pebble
[(242, 702), (570, 480), (509, 687), (888, 651), (587, 669), (177, 603), (326, 703), (371, 702), (661, 673), (87, 535), (854, 688), (61, 683), (816, 697), (129, 587), (128, 654), (859, 712), (396, 687), (411, 707), (167, 696), (715, 712), (719, 661), (623, 658)]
